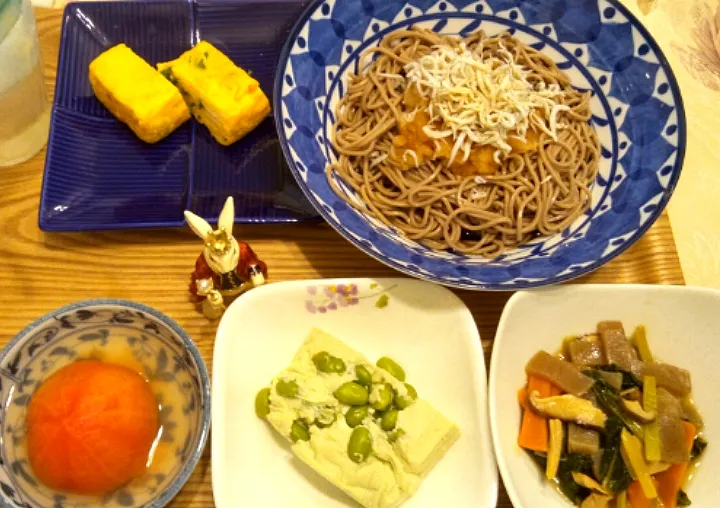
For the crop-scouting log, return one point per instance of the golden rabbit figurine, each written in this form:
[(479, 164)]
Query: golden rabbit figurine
[(226, 267)]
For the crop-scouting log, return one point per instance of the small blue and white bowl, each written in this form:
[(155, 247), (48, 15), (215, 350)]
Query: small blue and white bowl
[(113, 330), (637, 113)]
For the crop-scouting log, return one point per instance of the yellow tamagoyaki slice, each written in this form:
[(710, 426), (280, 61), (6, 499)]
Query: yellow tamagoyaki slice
[(137, 94), (220, 95)]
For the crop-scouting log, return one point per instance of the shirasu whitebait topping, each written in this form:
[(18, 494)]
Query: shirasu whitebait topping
[(476, 100)]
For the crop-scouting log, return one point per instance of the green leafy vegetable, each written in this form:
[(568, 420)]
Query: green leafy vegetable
[(619, 478), (568, 463), (629, 380), (539, 458), (698, 447), (613, 427), (614, 474), (683, 499), (609, 400)]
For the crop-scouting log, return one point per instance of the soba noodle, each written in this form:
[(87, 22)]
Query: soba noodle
[(536, 193)]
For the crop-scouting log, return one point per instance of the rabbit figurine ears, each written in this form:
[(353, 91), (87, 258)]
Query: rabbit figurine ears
[(203, 229), (225, 267)]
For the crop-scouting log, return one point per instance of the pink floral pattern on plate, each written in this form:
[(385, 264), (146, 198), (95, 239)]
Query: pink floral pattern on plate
[(323, 298)]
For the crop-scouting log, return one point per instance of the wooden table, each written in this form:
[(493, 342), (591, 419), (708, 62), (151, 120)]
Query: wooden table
[(40, 271)]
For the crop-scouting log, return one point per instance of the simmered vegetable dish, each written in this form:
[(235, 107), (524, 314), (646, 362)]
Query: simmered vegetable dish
[(608, 423)]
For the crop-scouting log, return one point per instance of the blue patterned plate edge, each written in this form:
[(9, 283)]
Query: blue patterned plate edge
[(657, 212)]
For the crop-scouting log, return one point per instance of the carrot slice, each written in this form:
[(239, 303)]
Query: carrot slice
[(690, 432), (523, 398), (671, 480), (534, 428), (636, 496)]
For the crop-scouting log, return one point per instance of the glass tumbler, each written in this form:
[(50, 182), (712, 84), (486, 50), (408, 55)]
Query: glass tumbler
[(24, 106)]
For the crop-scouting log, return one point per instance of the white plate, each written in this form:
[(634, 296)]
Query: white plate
[(423, 326), (683, 328)]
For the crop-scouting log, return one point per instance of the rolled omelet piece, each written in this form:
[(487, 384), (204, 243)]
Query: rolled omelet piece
[(220, 95), (137, 94)]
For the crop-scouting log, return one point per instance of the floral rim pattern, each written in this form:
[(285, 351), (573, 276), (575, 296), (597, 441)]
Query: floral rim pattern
[(329, 297)]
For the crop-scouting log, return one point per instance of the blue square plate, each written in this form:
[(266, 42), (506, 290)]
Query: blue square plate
[(98, 175)]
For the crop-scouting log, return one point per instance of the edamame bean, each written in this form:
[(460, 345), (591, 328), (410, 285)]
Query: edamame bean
[(404, 401), (337, 365), (389, 420), (262, 403), (381, 397), (360, 445), (389, 365), (287, 389), (411, 391), (325, 362), (299, 431), (395, 435), (352, 394), (356, 415), (363, 375), (321, 359)]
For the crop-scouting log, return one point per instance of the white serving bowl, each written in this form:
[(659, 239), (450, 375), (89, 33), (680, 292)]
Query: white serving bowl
[(683, 328)]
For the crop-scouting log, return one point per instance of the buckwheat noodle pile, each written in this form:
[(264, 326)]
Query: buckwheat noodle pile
[(536, 193)]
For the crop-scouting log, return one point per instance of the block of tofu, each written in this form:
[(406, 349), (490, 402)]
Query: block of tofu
[(400, 457), (137, 94), (428, 436), (220, 95)]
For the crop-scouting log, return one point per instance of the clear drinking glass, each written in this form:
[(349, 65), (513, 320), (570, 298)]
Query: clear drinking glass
[(24, 107)]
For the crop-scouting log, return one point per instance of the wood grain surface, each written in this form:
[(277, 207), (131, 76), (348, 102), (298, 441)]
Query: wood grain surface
[(41, 271)]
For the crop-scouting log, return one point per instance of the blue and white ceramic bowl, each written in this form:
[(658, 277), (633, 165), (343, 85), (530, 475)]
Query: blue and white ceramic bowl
[(127, 333), (637, 113)]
